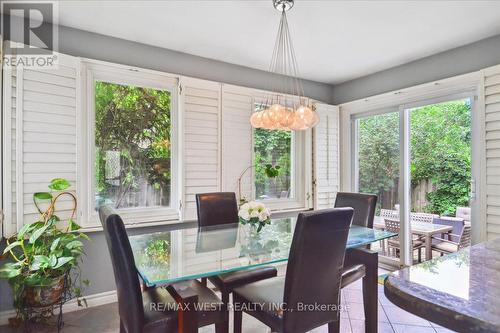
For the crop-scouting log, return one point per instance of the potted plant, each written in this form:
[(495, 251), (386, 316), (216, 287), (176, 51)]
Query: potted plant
[(43, 268)]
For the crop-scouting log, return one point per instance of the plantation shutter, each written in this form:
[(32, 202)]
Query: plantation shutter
[(40, 120), (326, 156), (237, 107), (492, 138), (201, 122)]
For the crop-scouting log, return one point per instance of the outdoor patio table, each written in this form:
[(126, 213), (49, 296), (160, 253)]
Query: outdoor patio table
[(460, 291), (427, 230), (187, 252)]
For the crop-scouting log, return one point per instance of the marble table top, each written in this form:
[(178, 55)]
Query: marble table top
[(460, 291)]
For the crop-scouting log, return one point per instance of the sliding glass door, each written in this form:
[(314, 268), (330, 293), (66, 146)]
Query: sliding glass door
[(418, 160), (378, 166)]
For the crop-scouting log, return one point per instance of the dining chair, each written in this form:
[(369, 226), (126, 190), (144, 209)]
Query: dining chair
[(312, 279), (393, 225), (447, 246), (221, 208), (364, 212), (154, 310)]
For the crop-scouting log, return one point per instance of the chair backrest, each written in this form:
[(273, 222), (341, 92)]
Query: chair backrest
[(130, 306), (363, 204), (423, 217), (463, 212), (314, 267), (216, 208), (389, 213), (465, 237), (392, 225)]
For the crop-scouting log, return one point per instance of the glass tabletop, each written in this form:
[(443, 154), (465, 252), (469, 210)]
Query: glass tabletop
[(193, 253)]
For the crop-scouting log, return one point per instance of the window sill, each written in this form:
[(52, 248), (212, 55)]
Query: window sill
[(132, 225), (284, 213)]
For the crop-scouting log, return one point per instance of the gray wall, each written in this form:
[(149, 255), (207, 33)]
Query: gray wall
[(90, 45), (465, 59)]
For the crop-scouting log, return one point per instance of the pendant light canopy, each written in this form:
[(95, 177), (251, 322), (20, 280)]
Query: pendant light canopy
[(286, 108)]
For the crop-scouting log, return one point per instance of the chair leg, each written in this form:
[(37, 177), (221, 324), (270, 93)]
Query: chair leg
[(334, 326), (370, 293), (419, 254), (222, 327), (238, 319)]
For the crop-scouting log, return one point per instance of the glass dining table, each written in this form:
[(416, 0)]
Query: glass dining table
[(186, 252), (191, 253)]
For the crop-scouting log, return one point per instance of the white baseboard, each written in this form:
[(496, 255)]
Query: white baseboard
[(92, 301)]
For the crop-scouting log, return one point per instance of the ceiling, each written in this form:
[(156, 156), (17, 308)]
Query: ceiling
[(335, 41)]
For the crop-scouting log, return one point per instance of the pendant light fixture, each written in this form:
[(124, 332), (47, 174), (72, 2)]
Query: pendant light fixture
[(286, 107)]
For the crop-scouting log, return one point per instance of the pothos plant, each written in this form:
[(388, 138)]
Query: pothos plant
[(43, 254)]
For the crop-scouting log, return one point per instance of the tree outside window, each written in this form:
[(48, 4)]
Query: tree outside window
[(133, 151)]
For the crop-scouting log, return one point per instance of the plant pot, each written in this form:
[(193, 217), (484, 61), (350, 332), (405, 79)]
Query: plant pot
[(46, 295)]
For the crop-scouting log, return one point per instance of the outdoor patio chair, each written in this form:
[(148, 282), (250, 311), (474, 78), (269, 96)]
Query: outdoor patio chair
[(423, 217), (446, 246), (464, 213), (388, 213), (393, 225)]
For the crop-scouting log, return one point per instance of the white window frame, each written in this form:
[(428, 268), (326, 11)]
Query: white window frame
[(301, 172), (463, 86), (97, 71)]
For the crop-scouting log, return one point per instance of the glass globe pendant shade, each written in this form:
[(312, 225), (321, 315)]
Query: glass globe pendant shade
[(316, 119), (256, 119), (306, 114), (298, 123), (286, 118), (267, 122)]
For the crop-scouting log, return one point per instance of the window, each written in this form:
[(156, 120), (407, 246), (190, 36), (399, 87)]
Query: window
[(131, 144), (272, 148), (284, 152)]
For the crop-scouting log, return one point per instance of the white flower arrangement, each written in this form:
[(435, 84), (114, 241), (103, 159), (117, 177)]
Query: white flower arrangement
[(254, 213)]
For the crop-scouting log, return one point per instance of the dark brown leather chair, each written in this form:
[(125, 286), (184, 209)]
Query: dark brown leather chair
[(138, 310), (221, 208), (312, 278), (364, 212)]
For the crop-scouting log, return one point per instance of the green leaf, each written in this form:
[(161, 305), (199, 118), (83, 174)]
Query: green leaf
[(59, 184), (54, 244), (34, 280), (26, 229), (74, 244), (38, 233), (52, 261), (84, 236), (63, 260), (53, 220), (39, 261), (42, 196), (73, 226), (11, 246), (9, 270)]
